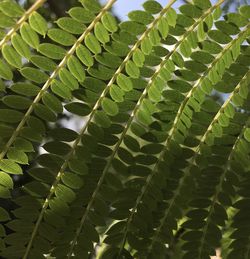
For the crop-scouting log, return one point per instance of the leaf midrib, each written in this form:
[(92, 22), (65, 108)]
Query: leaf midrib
[(219, 187), (197, 150), (37, 99), (206, 13), (54, 74), (118, 71)]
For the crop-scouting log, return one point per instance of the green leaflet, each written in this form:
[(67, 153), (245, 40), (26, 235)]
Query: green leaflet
[(4, 193), (68, 79), (146, 46), (82, 15), (144, 117), (52, 102), (10, 167), (202, 56), (61, 90), (140, 17), (226, 28), (76, 68), (109, 107), (17, 102), (237, 19), (70, 25), (12, 9), (101, 72), (63, 134), (171, 17), (78, 108), (152, 6), (6, 180), (138, 58), (190, 10), (116, 93), (154, 37), (79, 167), (109, 22), (64, 193), (202, 4), (109, 60), (44, 113), (34, 75), (20, 46), (247, 134), (24, 145), (62, 37), (52, 51), (101, 33), (124, 82), (6, 131), (201, 33), (72, 180), (185, 49), (38, 23), (245, 10), (102, 119), (178, 59), (219, 36), (25, 89), (217, 13), (92, 44), (91, 5), (43, 62), (163, 27), (223, 120), (132, 27), (132, 70), (11, 116), (57, 147), (29, 36), (131, 143), (11, 56), (6, 22), (85, 56), (4, 215), (5, 71), (17, 156)]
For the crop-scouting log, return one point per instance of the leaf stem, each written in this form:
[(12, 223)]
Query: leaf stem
[(227, 166), (209, 129), (45, 87), (118, 71), (20, 22), (53, 76), (144, 95)]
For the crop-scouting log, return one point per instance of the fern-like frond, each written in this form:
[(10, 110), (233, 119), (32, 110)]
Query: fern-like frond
[(53, 75), (39, 96), (207, 247), (157, 162), (240, 236), (186, 184), (148, 182), (159, 71)]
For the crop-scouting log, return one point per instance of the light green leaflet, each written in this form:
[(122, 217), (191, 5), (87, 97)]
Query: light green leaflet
[(38, 23)]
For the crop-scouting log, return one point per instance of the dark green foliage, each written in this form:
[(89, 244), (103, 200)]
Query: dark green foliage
[(158, 165)]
